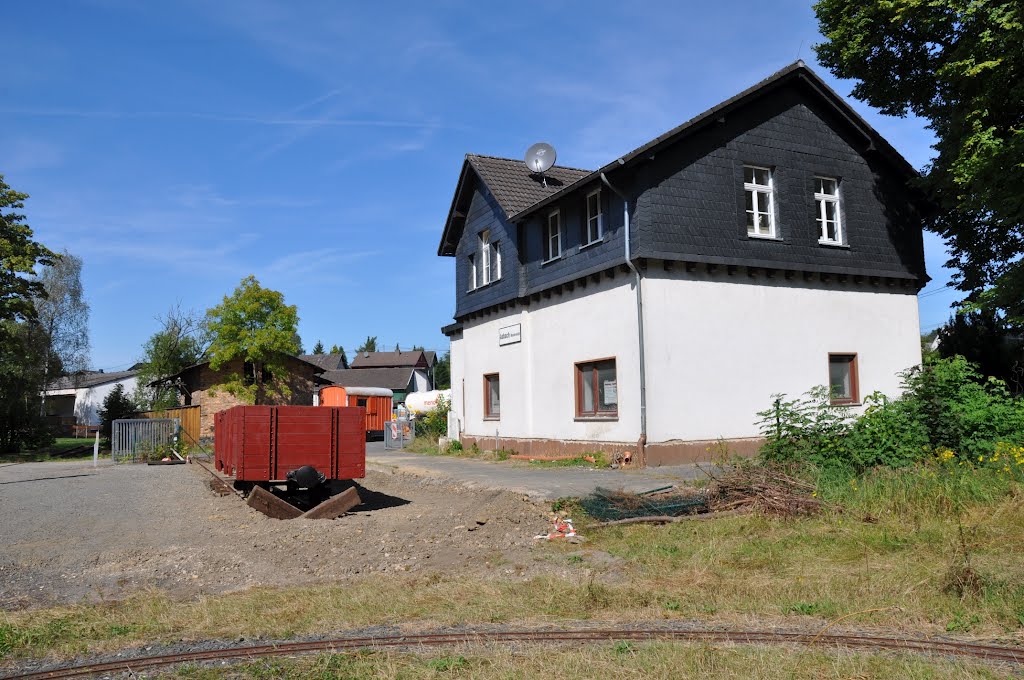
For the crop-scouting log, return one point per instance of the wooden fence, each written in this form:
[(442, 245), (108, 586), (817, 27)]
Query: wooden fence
[(189, 417)]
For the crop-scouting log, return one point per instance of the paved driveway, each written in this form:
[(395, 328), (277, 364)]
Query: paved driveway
[(539, 483)]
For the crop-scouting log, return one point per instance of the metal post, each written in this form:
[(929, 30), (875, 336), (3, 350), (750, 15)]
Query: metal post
[(96, 451)]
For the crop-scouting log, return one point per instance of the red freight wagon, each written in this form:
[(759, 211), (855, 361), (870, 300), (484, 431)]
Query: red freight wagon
[(265, 443), (376, 400)]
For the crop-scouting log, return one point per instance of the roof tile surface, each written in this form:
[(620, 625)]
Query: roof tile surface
[(515, 187)]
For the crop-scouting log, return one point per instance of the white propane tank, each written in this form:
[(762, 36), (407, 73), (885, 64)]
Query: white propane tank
[(422, 402)]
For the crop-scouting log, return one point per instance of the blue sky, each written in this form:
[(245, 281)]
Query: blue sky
[(180, 146)]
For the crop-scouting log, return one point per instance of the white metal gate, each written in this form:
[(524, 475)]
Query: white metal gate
[(133, 440), (398, 433)]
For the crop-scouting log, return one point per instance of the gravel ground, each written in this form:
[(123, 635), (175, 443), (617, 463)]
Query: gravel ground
[(71, 533)]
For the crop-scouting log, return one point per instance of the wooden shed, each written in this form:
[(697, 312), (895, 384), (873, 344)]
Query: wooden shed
[(376, 401)]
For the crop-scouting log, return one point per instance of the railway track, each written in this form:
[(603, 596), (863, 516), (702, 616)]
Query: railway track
[(992, 653)]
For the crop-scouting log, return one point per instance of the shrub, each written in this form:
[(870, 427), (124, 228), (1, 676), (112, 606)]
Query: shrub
[(946, 405), (434, 423), (116, 405)]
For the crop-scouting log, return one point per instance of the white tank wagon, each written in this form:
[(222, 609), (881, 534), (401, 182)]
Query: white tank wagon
[(424, 402)]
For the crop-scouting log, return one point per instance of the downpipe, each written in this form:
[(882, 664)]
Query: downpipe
[(641, 445)]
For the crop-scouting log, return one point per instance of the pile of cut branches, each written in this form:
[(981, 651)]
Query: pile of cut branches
[(763, 487)]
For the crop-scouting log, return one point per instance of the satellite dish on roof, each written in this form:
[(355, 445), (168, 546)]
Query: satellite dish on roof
[(540, 157)]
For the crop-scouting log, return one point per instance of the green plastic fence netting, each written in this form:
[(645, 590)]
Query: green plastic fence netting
[(607, 505)]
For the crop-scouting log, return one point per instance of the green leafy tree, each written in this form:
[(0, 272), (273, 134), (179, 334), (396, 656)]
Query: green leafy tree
[(443, 372), (117, 404), (63, 317), (22, 346), (19, 256), (181, 342), (22, 343), (980, 337), (338, 349), (959, 64), (318, 348), (369, 345), (256, 327)]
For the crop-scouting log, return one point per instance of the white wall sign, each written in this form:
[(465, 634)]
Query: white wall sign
[(510, 334)]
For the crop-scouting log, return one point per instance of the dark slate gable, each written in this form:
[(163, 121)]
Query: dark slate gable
[(485, 213), (509, 183), (689, 198)]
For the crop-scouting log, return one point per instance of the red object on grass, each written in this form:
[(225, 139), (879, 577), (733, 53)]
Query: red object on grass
[(265, 443)]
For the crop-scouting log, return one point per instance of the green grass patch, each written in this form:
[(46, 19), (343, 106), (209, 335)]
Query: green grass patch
[(62, 449), (609, 660), (596, 459)]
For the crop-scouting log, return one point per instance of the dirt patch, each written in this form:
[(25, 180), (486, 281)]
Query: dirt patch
[(72, 533)]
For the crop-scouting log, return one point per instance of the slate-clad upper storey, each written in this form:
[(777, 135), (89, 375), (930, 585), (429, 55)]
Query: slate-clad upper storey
[(686, 197), (690, 199)]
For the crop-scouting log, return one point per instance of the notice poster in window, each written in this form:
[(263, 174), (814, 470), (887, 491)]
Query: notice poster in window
[(611, 392)]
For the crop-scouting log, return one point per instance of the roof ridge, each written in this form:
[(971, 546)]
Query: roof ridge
[(518, 160)]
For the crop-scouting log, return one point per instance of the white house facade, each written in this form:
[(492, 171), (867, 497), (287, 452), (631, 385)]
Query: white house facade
[(81, 396), (654, 306)]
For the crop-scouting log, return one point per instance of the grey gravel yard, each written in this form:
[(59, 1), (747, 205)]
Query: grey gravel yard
[(71, 532)]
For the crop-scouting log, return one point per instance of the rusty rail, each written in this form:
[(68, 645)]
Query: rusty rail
[(985, 652)]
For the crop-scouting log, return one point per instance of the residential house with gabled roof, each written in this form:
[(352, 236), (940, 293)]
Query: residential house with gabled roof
[(421, 362), (768, 245), (77, 399)]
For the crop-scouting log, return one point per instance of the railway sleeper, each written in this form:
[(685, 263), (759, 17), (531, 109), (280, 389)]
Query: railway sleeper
[(305, 494)]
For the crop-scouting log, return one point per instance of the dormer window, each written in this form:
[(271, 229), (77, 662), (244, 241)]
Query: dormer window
[(553, 236), (826, 203), (593, 228), (757, 187)]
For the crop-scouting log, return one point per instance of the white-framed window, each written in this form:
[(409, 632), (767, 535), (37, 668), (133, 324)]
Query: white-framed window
[(593, 228), (495, 260), (757, 188), (490, 259), (472, 271), (553, 236), (826, 204)]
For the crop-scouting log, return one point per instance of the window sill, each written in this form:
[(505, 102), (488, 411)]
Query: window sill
[(592, 243), (833, 244), (492, 418), (553, 259), (484, 285), (590, 419), (846, 403), (760, 237)]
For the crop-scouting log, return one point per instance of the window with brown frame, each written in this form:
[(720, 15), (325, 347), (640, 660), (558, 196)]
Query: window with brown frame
[(597, 389), (492, 397), (843, 381)]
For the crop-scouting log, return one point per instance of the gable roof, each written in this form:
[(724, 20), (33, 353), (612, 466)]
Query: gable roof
[(327, 362), (391, 378), (511, 179), (387, 359), (88, 379), (514, 187), (511, 184), (189, 369)]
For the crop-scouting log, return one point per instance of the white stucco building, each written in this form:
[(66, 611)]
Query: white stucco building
[(654, 306), (80, 397)]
